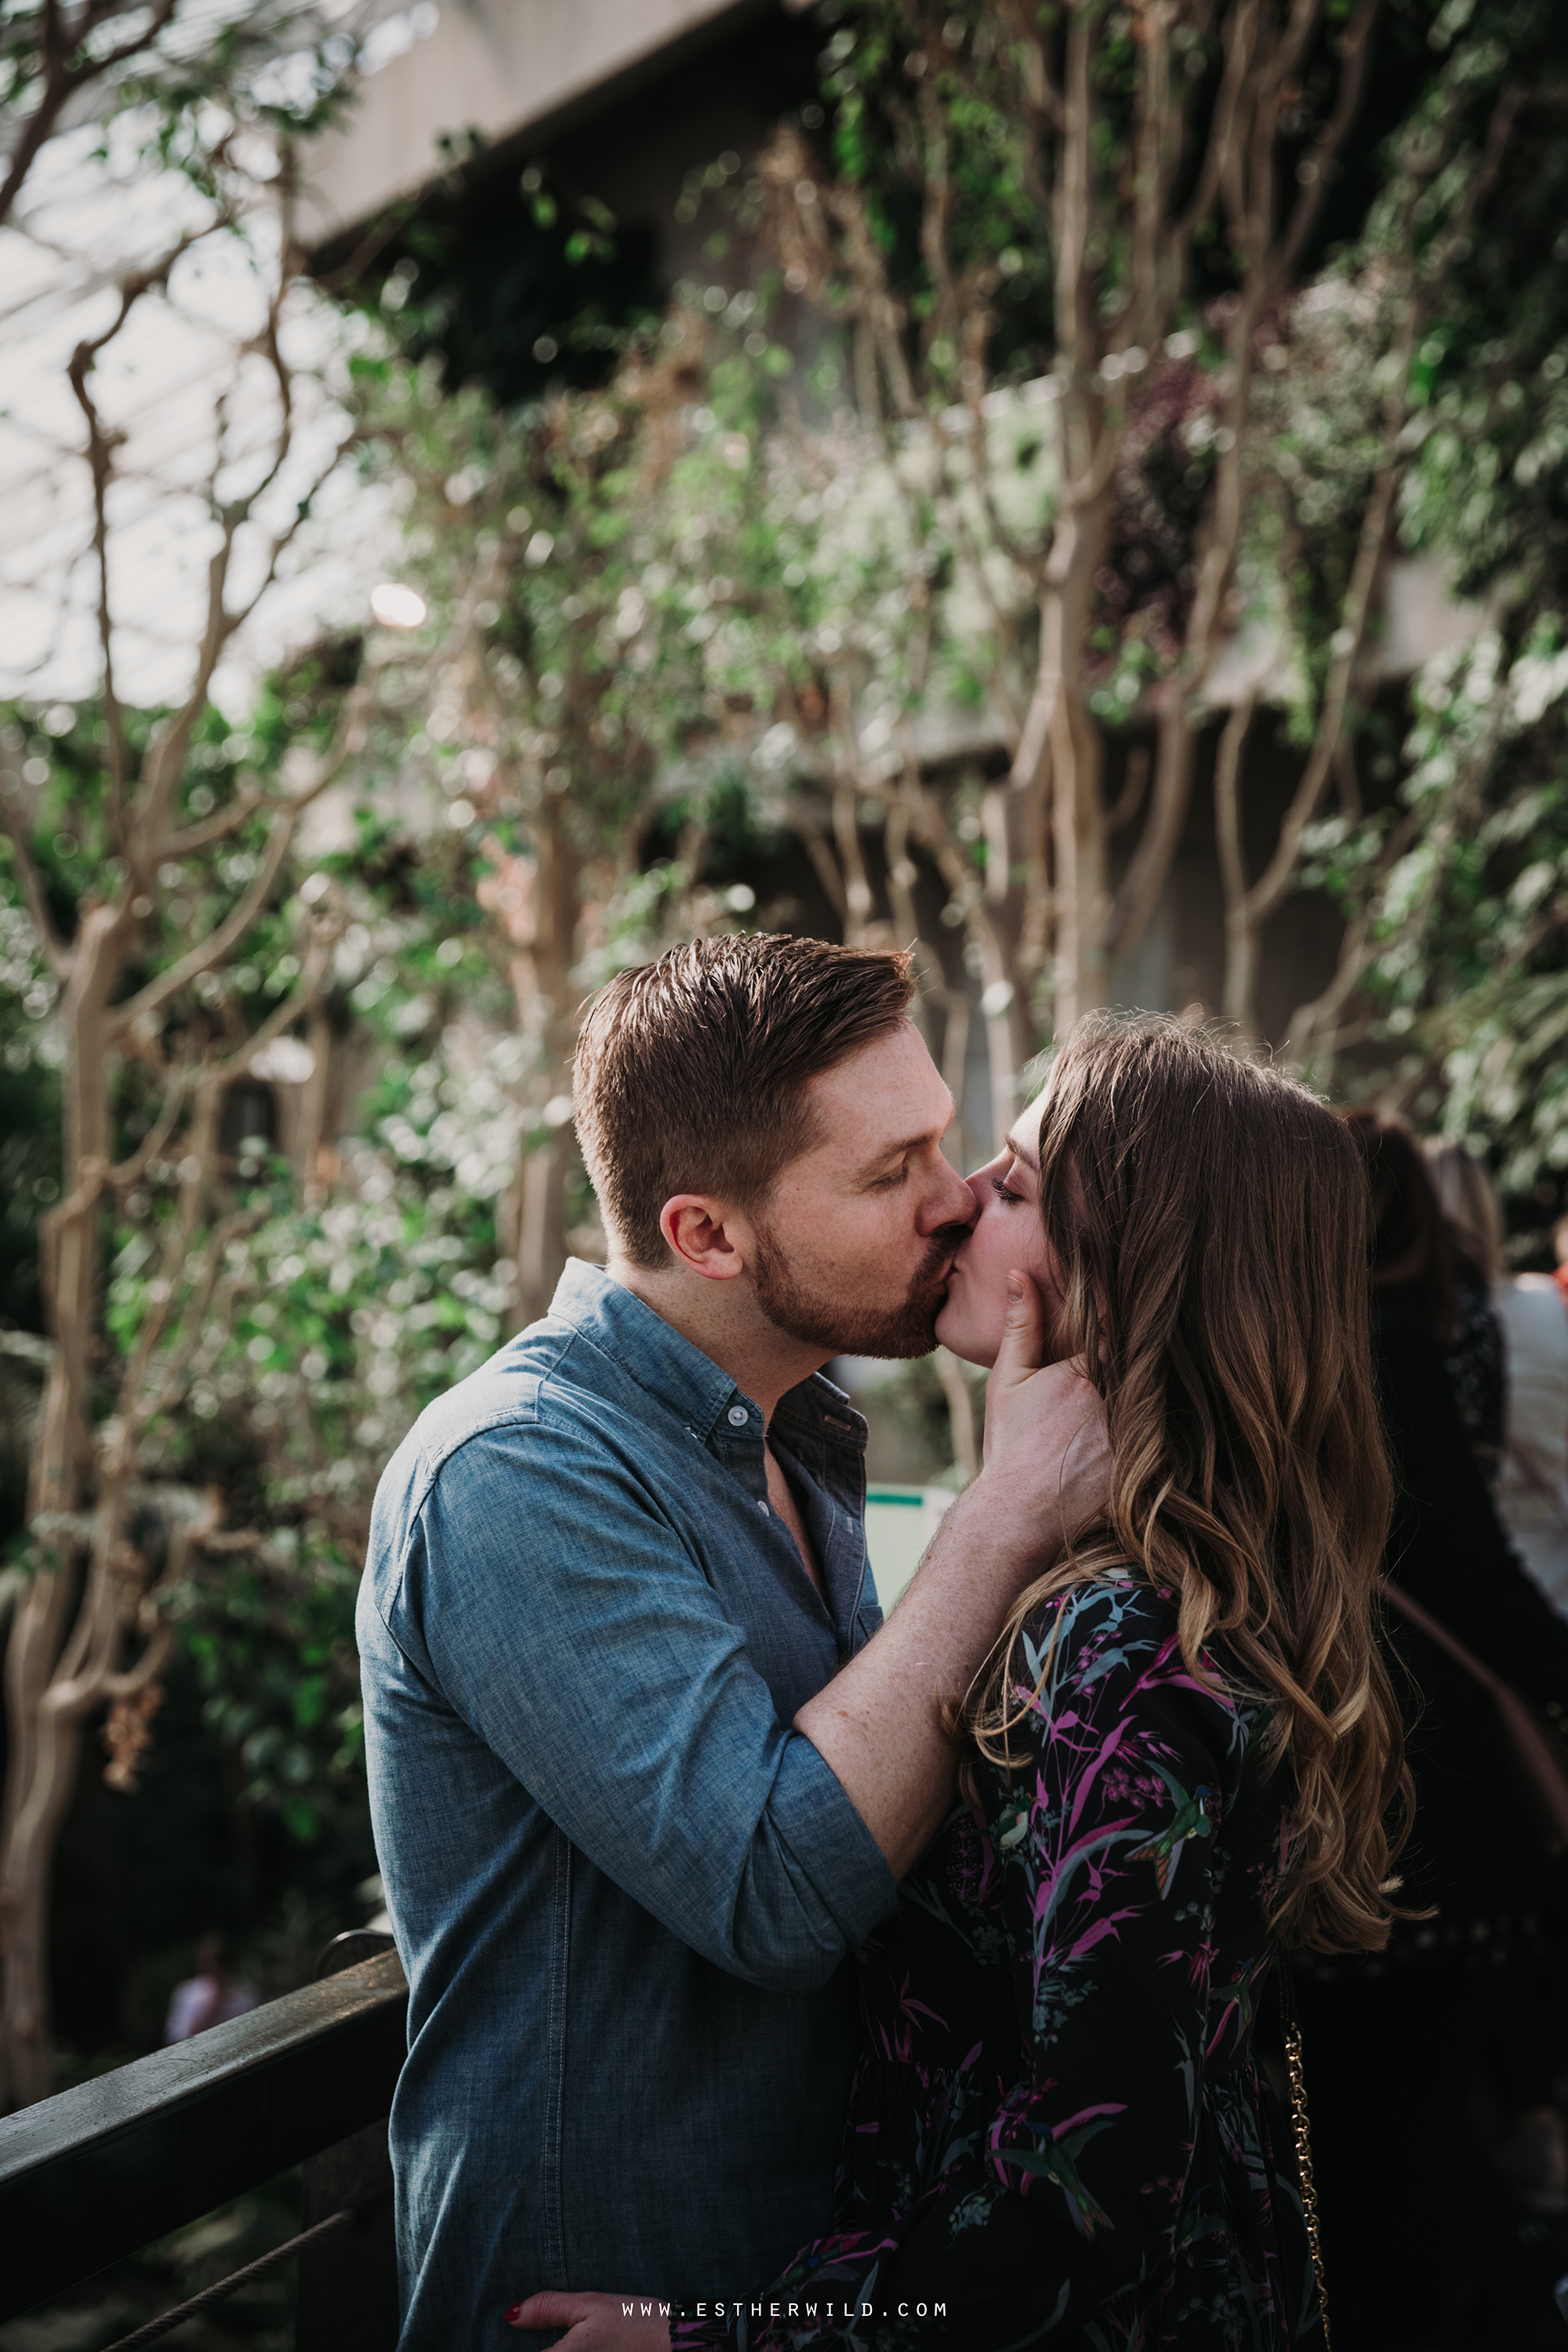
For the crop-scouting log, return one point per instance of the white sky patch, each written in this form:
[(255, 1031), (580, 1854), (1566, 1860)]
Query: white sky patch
[(196, 404)]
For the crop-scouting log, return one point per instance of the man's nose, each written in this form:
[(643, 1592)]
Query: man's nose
[(957, 1204)]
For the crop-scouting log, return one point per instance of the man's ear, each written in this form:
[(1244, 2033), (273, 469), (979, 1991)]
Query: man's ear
[(693, 1227)]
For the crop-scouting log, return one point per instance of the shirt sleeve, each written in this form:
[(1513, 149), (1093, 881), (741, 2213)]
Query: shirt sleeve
[(555, 1609)]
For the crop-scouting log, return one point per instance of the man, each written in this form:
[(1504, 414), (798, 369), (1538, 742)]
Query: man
[(641, 1776)]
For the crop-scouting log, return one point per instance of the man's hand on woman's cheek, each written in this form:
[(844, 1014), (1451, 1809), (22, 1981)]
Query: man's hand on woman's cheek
[(595, 2323)]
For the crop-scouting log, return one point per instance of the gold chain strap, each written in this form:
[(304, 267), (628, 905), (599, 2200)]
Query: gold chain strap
[(1301, 2129)]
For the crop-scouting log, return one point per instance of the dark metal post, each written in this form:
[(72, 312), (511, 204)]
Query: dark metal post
[(348, 2282)]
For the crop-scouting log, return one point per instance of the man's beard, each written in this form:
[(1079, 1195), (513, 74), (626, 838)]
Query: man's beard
[(842, 1327)]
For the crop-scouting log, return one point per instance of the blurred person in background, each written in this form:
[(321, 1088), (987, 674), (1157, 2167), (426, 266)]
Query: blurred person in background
[(1475, 1352), (211, 1997), (1442, 2170), (1531, 1484)]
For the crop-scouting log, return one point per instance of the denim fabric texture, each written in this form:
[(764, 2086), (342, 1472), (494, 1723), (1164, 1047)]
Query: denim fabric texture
[(622, 1887)]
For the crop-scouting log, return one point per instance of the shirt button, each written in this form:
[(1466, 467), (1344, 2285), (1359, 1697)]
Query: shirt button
[(738, 1416), (765, 1510)]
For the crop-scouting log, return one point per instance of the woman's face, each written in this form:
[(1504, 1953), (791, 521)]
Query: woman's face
[(1007, 1233)]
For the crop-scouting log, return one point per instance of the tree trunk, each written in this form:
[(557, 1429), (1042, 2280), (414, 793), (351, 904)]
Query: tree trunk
[(1240, 928), (1059, 767), (541, 982), (53, 1757), (541, 1230), (44, 1735)]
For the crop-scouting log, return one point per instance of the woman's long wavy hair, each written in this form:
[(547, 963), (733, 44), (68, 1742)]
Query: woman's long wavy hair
[(1210, 1218)]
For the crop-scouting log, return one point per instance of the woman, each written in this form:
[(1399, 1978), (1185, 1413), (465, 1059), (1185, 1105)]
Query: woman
[(1180, 1760), (1434, 2120)]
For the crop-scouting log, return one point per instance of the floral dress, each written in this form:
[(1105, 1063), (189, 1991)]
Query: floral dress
[(1057, 2133)]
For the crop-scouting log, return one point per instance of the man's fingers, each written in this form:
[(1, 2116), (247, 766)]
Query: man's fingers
[(1023, 1333), (1048, 1427)]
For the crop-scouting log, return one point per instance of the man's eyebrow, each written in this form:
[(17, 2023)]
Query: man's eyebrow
[(913, 1142), (1022, 1152), (910, 1143)]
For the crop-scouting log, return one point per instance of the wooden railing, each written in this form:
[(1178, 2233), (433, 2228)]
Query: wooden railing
[(94, 2174)]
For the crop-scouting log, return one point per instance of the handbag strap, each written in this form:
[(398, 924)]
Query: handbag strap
[(1538, 1752), (1302, 2132), (1434, 1631)]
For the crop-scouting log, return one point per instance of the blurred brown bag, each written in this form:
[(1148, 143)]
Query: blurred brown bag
[(1539, 1750)]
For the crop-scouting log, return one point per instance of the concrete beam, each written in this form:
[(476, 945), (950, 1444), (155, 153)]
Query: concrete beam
[(500, 67)]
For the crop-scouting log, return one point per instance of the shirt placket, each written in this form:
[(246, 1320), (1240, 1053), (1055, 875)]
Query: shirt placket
[(736, 1441)]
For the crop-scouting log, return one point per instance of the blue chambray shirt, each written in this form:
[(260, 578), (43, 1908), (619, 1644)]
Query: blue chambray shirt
[(622, 1886)]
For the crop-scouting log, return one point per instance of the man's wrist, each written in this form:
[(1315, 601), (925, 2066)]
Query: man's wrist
[(999, 1526)]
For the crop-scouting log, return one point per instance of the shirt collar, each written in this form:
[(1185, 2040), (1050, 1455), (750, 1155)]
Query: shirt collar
[(679, 1374)]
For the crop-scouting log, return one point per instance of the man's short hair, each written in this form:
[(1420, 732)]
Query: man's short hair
[(692, 1072)]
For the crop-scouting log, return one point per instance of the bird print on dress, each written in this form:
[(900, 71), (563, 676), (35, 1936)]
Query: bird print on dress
[(1192, 1820)]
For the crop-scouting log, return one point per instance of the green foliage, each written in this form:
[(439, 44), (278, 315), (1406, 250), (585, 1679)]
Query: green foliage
[(1459, 878), (1469, 913), (290, 1345), (272, 1642), (510, 286), (922, 97)]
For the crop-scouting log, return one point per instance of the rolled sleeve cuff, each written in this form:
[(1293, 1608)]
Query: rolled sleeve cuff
[(829, 1844)]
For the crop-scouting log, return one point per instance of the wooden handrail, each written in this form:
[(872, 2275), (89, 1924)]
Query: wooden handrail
[(92, 2175)]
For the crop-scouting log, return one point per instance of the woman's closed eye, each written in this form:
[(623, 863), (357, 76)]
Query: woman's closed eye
[(1004, 1190)]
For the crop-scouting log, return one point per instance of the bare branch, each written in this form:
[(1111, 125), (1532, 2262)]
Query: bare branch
[(352, 732), (216, 827), (1130, 799), (936, 211), (1157, 145), (216, 948), (1175, 760), (292, 1008), (130, 1171), (822, 861), (1355, 47), (1241, 33), (1274, 881), (871, 298), (1075, 274), (1320, 1013), (167, 757), (66, 71), (100, 447), (147, 1669), (1240, 931), (56, 954), (285, 538), (1040, 93)]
